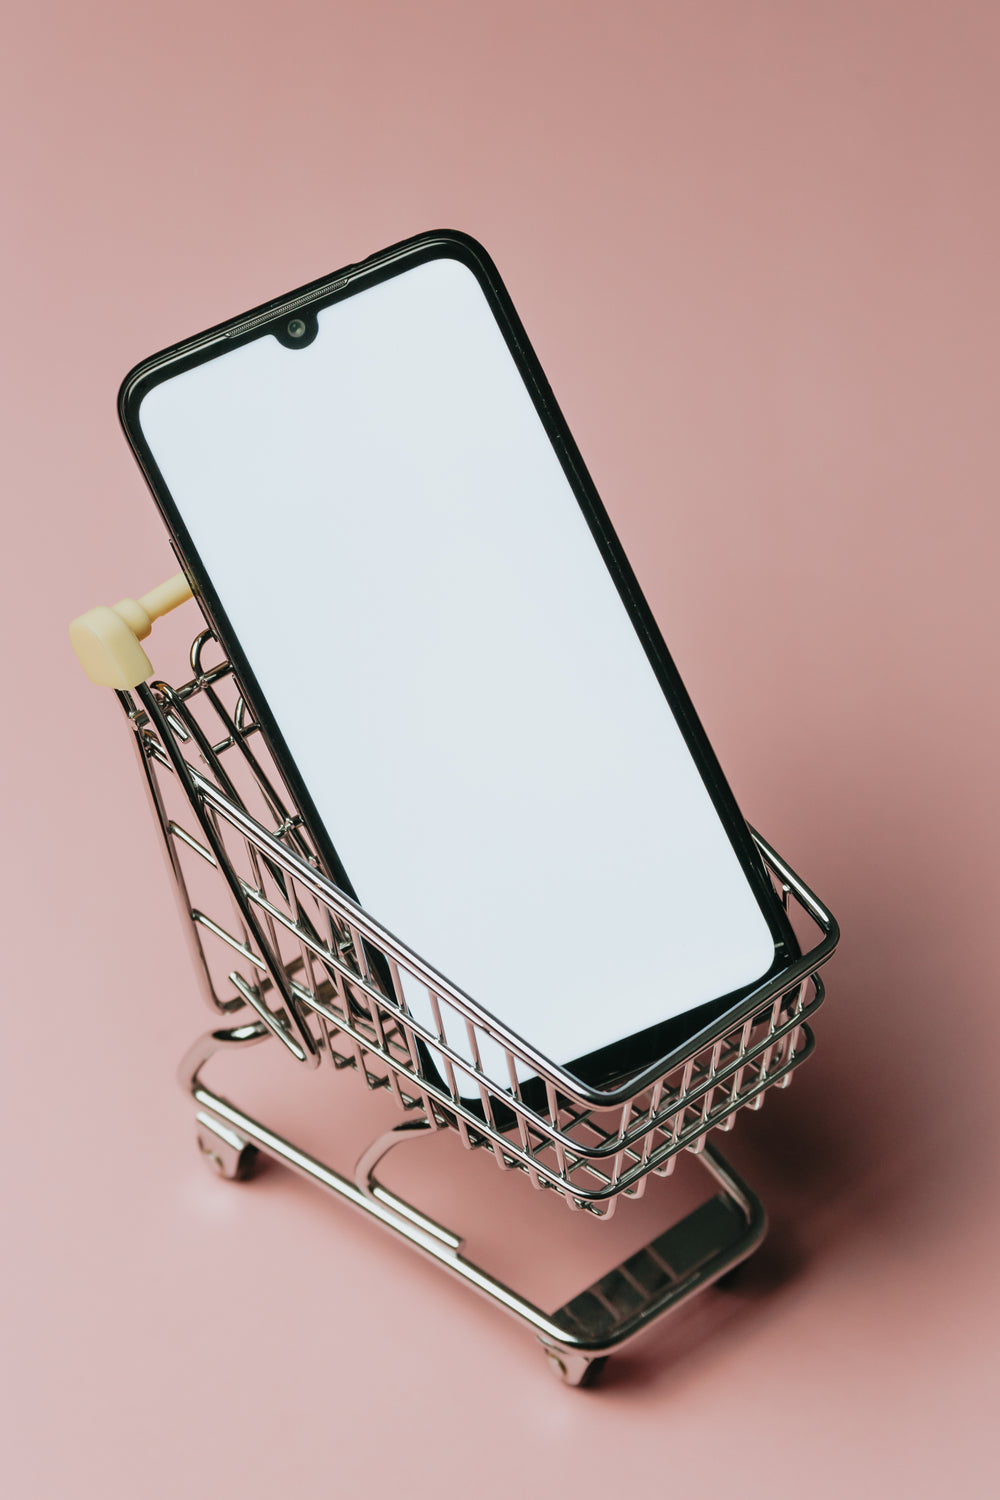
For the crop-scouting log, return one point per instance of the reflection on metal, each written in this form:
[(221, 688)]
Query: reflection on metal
[(288, 955)]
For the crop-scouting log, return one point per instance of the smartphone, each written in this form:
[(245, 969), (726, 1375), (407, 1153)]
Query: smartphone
[(390, 528)]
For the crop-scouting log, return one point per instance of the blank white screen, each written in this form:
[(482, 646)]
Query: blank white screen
[(429, 618)]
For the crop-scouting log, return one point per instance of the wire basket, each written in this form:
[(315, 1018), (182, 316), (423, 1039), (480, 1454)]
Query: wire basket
[(277, 938)]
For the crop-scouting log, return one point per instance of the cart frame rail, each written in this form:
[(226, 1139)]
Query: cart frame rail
[(288, 958)]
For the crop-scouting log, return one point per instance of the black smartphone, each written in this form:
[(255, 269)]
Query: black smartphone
[(379, 504)]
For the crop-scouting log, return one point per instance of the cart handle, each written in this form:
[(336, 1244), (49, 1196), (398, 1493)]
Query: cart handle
[(106, 640)]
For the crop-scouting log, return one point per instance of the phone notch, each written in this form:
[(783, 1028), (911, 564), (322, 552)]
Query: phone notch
[(298, 330)]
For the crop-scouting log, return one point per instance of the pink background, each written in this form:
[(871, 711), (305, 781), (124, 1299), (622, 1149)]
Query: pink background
[(756, 246)]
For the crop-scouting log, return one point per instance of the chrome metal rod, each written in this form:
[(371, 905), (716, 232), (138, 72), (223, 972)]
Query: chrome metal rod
[(680, 1262)]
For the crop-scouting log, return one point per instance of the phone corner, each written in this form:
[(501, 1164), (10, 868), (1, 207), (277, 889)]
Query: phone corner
[(130, 395)]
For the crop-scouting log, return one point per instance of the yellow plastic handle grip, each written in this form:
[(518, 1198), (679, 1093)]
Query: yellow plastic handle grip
[(106, 640)]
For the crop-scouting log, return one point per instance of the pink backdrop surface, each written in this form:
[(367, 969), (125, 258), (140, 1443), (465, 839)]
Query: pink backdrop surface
[(756, 247)]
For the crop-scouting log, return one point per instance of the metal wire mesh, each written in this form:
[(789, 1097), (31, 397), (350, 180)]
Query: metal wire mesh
[(276, 936)]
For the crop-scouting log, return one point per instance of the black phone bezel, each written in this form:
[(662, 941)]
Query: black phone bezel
[(669, 1041)]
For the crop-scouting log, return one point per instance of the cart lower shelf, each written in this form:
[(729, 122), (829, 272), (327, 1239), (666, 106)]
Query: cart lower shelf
[(579, 1336)]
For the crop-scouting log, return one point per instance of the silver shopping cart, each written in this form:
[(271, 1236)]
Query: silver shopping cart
[(289, 960)]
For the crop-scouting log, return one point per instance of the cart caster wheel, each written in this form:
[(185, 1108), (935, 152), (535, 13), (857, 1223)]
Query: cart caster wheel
[(227, 1153), (575, 1369)]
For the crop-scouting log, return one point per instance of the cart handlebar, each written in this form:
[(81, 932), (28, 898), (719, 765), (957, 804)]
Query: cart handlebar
[(106, 639)]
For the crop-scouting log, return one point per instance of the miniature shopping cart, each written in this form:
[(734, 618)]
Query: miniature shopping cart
[(289, 960)]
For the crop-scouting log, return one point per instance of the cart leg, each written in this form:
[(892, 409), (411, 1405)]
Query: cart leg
[(224, 1149), (572, 1367), (367, 1182)]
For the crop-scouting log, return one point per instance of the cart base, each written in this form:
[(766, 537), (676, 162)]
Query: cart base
[(578, 1337)]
